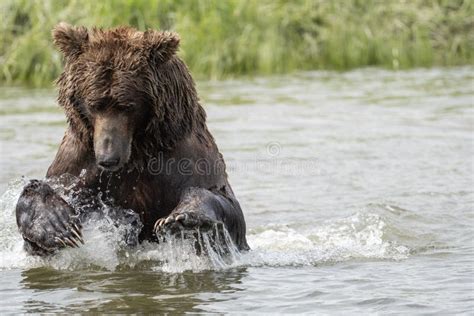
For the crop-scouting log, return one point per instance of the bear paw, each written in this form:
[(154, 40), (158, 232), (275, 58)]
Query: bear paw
[(45, 220), (190, 220)]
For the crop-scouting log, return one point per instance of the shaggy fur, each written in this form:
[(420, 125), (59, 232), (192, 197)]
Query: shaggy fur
[(135, 83)]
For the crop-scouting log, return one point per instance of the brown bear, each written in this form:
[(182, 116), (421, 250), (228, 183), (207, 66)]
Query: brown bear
[(137, 139)]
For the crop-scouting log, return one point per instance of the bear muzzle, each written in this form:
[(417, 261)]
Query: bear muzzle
[(112, 143)]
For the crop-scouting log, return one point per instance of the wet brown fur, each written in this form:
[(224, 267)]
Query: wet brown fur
[(106, 70)]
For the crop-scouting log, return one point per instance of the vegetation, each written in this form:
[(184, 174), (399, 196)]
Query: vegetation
[(223, 38)]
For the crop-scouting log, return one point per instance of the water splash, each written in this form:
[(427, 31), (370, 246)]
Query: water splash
[(360, 236), (363, 235), (180, 253)]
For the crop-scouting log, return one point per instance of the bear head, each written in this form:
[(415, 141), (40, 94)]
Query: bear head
[(125, 92)]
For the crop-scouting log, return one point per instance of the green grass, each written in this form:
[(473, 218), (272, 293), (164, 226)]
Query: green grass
[(222, 38)]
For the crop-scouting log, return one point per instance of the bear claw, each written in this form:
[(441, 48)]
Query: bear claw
[(76, 238), (71, 242), (183, 221), (158, 224), (182, 217), (77, 235), (60, 241)]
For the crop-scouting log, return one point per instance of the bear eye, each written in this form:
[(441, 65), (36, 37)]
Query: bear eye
[(129, 106)]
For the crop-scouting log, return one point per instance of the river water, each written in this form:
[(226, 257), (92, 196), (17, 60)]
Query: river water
[(357, 189)]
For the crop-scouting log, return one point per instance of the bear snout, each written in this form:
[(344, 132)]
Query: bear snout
[(110, 163)]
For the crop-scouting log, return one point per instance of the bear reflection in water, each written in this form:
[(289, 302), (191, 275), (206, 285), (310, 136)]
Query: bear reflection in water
[(131, 105)]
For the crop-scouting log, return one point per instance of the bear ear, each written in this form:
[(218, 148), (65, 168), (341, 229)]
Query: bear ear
[(161, 46), (70, 39)]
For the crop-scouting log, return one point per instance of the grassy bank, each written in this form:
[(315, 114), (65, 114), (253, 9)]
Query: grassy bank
[(223, 38)]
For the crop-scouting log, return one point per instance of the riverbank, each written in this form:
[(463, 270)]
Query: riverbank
[(232, 38)]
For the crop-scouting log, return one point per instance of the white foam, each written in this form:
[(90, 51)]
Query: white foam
[(360, 236)]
